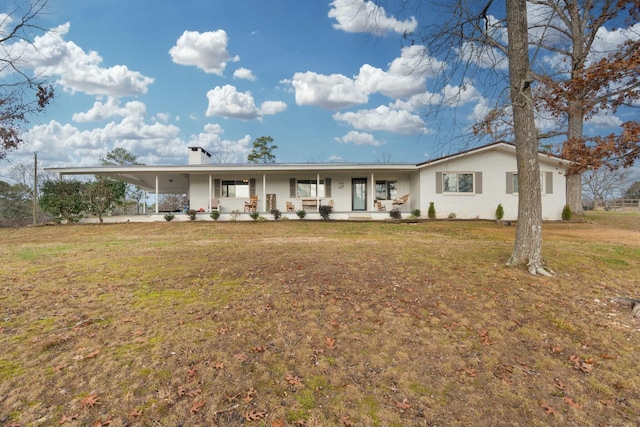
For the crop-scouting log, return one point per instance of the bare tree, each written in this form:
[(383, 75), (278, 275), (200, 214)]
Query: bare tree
[(604, 184), (21, 95)]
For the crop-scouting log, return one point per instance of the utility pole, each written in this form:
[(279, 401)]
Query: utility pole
[(35, 188)]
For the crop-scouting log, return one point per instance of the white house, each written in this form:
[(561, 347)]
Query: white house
[(469, 184)]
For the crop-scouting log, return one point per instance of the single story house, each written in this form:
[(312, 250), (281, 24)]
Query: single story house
[(469, 184)]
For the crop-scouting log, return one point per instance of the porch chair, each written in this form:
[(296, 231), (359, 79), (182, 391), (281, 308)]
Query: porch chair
[(215, 204), (290, 207), (402, 200), (380, 206), (251, 205)]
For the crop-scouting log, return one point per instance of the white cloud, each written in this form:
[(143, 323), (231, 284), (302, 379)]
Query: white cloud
[(245, 74), (604, 119), (64, 144), (360, 16), (383, 118), (76, 70), (332, 92), (226, 101), (207, 51), (406, 76), (272, 107), (223, 151), (359, 138), (455, 96), (111, 108)]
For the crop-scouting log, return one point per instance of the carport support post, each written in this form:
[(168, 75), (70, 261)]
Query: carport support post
[(373, 191), (210, 192), (157, 211), (264, 192)]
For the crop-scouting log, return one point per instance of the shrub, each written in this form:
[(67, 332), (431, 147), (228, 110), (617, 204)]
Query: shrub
[(324, 211), (169, 217), (499, 212), (255, 215), (432, 210), (452, 215), (415, 213), (192, 214), (276, 214), (566, 213), (214, 215), (395, 213), (301, 213)]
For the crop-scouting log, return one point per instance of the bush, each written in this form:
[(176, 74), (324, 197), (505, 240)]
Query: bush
[(415, 213), (325, 211), (566, 213), (432, 211), (452, 215), (499, 212), (192, 214), (276, 214), (255, 215), (169, 217), (214, 215), (395, 213), (301, 213)]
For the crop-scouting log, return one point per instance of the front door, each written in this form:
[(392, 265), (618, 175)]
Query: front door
[(359, 194)]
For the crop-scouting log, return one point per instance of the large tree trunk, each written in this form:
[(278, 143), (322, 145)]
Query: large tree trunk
[(528, 246), (574, 193)]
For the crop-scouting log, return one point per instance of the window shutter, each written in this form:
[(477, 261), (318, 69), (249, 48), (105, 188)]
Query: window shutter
[(292, 187), (478, 183), (327, 187), (509, 182), (216, 188), (252, 187), (438, 182), (549, 182)]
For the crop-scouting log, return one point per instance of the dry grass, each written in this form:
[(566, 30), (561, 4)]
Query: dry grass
[(317, 323)]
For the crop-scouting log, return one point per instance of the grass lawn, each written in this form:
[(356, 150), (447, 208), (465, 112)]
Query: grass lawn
[(318, 323)]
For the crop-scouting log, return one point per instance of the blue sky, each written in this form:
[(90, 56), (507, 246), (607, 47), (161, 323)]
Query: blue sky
[(156, 77)]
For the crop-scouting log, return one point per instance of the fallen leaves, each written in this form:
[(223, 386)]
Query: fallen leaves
[(254, 415), (197, 405), (484, 337), (90, 401), (403, 405), (67, 418), (292, 379), (330, 342), (548, 410), (569, 401)]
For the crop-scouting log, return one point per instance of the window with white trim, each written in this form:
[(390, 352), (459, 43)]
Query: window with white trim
[(237, 188), (310, 188), (386, 190), (453, 182), (515, 186)]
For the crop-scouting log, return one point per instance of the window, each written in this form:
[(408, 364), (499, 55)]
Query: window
[(457, 182), (235, 188), (310, 188), (514, 183), (386, 190)]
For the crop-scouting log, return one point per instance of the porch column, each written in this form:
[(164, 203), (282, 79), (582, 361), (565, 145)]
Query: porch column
[(317, 192), (157, 211), (373, 191), (210, 192), (264, 192)]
